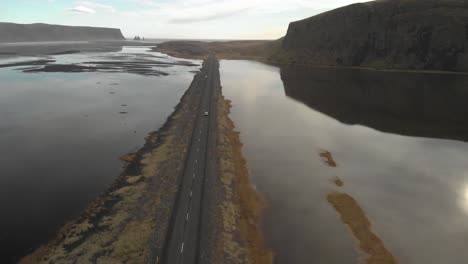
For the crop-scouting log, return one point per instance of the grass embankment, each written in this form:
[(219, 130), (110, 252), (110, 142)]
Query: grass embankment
[(240, 207), (128, 223)]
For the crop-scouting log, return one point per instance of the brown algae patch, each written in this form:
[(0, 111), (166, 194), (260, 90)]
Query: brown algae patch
[(328, 158), (241, 207), (338, 182), (352, 215)]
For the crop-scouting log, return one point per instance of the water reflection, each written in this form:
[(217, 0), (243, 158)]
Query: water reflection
[(61, 135), (412, 188), (414, 104)]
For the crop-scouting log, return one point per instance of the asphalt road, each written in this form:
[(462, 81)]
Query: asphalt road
[(185, 230)]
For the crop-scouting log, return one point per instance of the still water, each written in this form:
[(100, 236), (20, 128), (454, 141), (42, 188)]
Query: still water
[(61, 135), (399, 143)]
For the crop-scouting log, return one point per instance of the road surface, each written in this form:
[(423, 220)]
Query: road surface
[(182, 244)]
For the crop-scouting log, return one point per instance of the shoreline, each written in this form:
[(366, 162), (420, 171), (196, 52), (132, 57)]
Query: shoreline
[(240, 205), (261, 51), (131, 219)]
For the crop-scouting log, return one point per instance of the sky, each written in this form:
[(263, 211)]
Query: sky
[(173, 19)]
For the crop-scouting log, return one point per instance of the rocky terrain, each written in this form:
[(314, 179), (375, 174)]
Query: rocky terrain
[(400, 34), (11, 32)]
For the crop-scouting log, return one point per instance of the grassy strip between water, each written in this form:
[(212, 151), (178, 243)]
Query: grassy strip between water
[(240, 209), (353, 215), (128, 223)]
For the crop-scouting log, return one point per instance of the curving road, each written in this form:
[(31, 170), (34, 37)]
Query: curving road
[(182, 244)]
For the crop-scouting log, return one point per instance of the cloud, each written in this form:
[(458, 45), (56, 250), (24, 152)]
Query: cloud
[(82, 9), (97, 6), (189, 11), (146, 3), (174, 18), (205, 17)]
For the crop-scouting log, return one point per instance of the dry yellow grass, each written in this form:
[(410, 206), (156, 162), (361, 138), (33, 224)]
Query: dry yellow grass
[(242, 207), (128, 157), (352, 215)]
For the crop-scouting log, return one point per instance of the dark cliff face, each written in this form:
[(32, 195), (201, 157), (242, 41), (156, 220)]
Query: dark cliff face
[(402, 34), (10, 32)]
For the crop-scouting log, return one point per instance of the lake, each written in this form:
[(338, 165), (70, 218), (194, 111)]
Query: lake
[(399, 142), (63, 132)]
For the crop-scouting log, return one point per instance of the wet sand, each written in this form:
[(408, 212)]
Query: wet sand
[(8, 50), (141, 67)]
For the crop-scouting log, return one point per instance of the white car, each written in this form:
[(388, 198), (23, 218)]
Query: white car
[(205, 114)]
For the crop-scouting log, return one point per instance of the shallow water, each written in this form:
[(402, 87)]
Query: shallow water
[(411, 180), (61, 136)]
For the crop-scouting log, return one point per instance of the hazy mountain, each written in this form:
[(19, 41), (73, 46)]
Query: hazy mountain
[(10, 32)]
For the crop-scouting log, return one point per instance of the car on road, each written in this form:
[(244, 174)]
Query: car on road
[(205, 114)]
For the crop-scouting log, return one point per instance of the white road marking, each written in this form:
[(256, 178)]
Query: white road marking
[(190, 193), (182, 248), (186, 217), (196, 161)]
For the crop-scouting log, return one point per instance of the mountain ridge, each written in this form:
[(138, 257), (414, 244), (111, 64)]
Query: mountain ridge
[(40, 32)]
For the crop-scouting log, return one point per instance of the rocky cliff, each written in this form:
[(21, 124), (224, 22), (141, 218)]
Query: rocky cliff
[(401, 34), (10, 32)]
